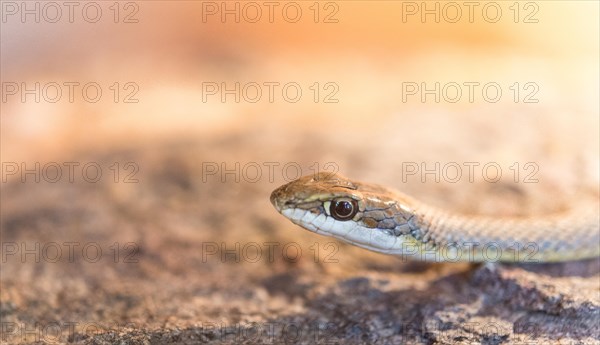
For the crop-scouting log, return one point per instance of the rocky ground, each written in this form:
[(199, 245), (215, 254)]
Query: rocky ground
[(180, 256)]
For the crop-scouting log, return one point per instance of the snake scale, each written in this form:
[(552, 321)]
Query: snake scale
[(387, 221)]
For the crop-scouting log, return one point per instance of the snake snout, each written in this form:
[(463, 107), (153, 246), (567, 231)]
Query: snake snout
[(274, 199), (283, 197), (278, 198)]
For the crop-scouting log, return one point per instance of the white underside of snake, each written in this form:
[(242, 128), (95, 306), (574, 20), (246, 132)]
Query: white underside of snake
[(387, 221)]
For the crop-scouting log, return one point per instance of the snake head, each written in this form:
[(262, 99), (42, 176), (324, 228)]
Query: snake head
[(366, 215)]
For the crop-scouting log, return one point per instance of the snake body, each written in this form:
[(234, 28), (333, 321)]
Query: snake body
[(387, 221)]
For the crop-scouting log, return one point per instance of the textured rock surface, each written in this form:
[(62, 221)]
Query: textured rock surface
[(190, 261)]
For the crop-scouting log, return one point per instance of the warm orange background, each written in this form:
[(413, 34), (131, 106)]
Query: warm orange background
[(369, 52)]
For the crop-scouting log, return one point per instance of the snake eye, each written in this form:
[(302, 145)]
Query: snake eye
[(343, 209)]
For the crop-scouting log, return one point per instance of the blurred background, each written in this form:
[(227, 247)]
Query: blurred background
[(367, 51), (194, 111)]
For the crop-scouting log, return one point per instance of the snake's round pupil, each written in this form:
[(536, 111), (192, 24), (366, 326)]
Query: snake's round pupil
[(343, 209)]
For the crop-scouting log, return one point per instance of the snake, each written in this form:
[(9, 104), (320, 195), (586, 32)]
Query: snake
[(387, 221)]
